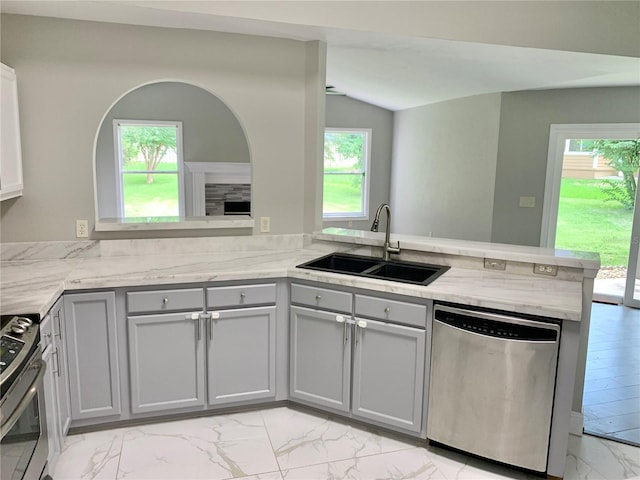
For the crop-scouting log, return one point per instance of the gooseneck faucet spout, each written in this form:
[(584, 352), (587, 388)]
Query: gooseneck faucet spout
[(387, 249)]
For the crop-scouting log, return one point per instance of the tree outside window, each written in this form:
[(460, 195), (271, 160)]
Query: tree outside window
[(346, 160), (150, 168)]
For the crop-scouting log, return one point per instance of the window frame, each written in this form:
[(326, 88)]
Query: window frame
[(366, 173), (118, 160)]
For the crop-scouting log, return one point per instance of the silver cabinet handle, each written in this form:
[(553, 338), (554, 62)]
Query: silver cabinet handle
[(57, 317), (58, 363), (242, 296), (212, 316), (387, 309), (318, 298), (359, 324), (165, 300), (341, 319)]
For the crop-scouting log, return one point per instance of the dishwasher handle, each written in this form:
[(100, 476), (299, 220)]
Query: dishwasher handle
[(497, 325)]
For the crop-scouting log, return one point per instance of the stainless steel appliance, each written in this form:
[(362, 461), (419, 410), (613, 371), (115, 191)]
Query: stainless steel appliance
[(492, 384), (23, 430), (237, 207)]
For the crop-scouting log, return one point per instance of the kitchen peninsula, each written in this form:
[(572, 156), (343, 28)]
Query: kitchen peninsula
[(35, 275)]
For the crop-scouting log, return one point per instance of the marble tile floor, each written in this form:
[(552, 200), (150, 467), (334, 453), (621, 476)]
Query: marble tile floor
[(611, 401), (290, 444)]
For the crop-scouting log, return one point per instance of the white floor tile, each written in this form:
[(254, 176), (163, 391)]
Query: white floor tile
[(260, 445), (412, 464), (301, 439), (90, 456)]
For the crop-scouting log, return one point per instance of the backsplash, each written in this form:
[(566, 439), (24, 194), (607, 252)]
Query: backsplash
[(215, 194)]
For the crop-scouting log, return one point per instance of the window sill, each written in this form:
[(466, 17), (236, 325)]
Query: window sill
[(173, 223)]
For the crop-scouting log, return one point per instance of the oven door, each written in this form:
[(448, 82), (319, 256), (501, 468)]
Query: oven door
[(23, 449)]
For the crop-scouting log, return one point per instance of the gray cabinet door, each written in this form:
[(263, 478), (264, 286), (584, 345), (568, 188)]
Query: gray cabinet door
[(51, 404), (241, 355), (62, 372), (166, 361), (90, 334), (320, 358), (388, 373)]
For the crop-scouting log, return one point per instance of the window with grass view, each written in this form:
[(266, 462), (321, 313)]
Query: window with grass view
[(346, 185), (149, 168)]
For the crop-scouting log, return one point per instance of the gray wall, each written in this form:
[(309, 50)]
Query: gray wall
[(210, 131), (525, 119), (444, 164), (345, 112), (70, 73)]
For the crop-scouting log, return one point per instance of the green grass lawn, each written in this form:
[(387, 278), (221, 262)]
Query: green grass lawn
[(342, 193), (157, 199), (587, 222)]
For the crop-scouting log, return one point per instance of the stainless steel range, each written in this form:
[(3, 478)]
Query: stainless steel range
[(23, 428)]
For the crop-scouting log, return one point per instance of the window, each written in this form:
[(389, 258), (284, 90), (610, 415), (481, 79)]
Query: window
[(576, 145), (346, 179), (149, 161)]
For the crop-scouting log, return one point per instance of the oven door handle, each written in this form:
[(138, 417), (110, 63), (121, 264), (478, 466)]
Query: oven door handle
[(26, 400)]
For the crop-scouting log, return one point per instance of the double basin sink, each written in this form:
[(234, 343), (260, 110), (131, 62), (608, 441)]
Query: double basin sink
[(371, 267)]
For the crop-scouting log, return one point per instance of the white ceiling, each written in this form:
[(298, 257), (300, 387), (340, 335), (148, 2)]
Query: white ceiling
[(392, 71)]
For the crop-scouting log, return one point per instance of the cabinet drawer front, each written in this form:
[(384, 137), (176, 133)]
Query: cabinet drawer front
[(241, 296), (165, 300), (321, 298), (391, 310)]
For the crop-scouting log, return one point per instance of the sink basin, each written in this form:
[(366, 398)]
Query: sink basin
[(405, 272), (371, 267), (342, 263)]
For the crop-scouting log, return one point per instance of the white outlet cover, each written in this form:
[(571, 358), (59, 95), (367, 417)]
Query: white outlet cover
[(528, 202)]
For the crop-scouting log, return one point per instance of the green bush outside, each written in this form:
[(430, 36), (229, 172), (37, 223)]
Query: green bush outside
[(588, 222)]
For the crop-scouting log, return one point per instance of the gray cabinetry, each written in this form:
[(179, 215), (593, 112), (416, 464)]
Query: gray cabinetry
[(320, 358), (369, 362), (62, 374), (90, 334), (241, 352), (166, 361), (50, 395), (241, 355), (388, 373)]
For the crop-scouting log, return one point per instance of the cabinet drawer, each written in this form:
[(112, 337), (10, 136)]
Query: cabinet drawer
[(391, 310), (241, 296), (321, 298), (165, 300)]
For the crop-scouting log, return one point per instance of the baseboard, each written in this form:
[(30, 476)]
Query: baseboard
[(576, 423)]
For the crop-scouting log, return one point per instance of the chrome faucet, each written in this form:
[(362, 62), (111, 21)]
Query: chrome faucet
[(387, 248)]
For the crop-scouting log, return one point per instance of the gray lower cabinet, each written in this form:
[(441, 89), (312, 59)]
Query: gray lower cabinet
[(365, 363), (166, 361), (241, 355), (62, 373), (320, 358), (90, 334), (50, 395), (388, 373)]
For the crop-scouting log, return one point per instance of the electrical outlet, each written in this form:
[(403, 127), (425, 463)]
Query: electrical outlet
[(265, 224), (528, 202), (542, 269), (495, 264), (82, 228)]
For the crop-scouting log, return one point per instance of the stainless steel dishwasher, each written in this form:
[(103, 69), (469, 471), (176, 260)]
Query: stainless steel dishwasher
[(492, 384)]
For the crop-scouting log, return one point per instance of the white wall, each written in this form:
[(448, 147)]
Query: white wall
[(345, 112), (444, 167), (70, 72)]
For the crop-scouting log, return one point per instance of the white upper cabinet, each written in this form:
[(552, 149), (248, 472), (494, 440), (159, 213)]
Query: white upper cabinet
[(10, 150)]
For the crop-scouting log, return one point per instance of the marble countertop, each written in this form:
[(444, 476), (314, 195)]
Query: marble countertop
[(32, 286)]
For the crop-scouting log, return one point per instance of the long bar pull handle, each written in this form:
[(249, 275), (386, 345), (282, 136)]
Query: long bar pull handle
[(57, 317), (213, 316), (57, 371), (341, 319), (195, 317), (361, 324)]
